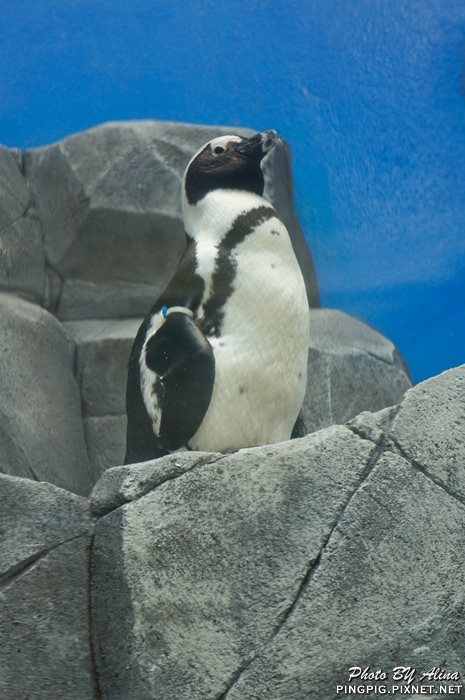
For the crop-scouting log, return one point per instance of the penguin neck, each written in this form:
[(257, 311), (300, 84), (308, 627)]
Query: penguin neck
[(212, 217)]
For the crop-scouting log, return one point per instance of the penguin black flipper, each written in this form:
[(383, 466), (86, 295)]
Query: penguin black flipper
[(185, 289), (183, 360)]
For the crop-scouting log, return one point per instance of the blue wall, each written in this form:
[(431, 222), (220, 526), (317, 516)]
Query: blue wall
[(368, 92)]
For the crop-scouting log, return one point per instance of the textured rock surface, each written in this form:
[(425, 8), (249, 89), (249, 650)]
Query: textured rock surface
[(34, 519), (351, 368), (264, 573), (22, 258), (41, 432), (109, 203), (129, 482), (268, 572), (44, 624), (45, 644), (106, 442), (103, 349), (430, 429), (246, 529), (388, 591)]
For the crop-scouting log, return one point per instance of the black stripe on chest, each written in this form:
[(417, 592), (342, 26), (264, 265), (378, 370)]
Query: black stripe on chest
[(226, 267)]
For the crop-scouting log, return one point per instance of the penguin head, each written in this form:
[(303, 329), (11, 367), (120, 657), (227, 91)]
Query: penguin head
[(228, 162)]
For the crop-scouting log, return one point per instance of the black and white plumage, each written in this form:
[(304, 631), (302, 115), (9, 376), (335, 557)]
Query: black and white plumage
[(220, 362)]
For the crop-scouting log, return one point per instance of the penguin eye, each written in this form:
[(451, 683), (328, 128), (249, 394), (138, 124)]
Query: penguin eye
[(218, 149)]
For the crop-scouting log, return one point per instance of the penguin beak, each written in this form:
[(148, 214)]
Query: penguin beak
[(257, 146)]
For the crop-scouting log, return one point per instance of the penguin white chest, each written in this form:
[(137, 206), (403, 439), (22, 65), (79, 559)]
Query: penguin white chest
[(261, 351)]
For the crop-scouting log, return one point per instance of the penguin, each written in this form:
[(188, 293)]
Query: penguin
[(220, 362)]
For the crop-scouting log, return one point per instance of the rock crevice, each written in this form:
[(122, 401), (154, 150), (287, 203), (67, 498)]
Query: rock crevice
[(11, 575), (419, 467), (313, 566)]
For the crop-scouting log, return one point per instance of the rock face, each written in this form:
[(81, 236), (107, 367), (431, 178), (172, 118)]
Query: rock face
[(430, 430), (103, 349), (262, 573), (268, 572), (41, 432), (22, 255), (379, 595), (244, 557), (44, 624)]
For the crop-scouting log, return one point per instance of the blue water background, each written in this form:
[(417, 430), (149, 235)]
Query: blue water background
[(369, 93)]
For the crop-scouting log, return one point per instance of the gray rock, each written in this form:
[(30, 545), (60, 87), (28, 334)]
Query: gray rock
[(387, 591), (264, 573), (103, 349), (22, 258), (41, 433), (106, 199), (14, 194), (34, 519), (44, 640), (115, 299), (373, 426), (106, 442), (128, 483), (109, 203), (195, 577), (351, 368), (268, 572), (430, 428)]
